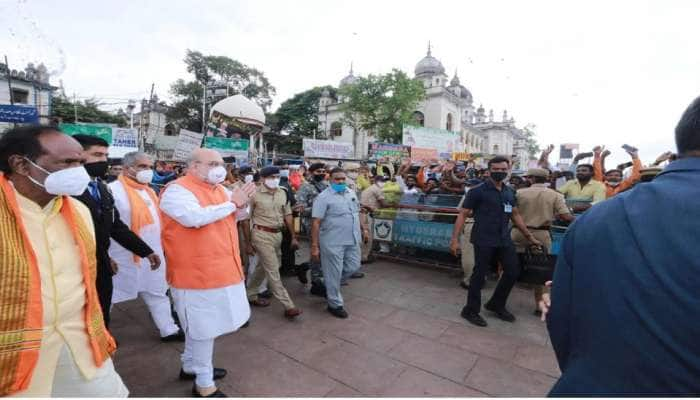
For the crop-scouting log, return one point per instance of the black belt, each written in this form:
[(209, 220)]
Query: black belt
[(541, 228), (266, 229)]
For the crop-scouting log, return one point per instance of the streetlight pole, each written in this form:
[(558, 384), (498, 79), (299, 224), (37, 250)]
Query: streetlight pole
[(204, 107)]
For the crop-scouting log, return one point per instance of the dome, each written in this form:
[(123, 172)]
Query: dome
[(350, 79), (241, 108), (429, 65), (465, 93), (455, 81)]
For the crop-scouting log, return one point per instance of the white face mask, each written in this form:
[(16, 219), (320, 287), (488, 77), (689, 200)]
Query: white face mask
[(216, 175), (145, 176), (284, 173), (66, 182), (380, 184), (248, 179), (272, 183)]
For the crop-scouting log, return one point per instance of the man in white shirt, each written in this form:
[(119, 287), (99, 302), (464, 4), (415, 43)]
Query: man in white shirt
[(200, 241), (137, 204)]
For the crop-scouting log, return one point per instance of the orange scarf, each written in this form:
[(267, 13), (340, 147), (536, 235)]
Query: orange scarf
[(140, 213), (21, 313)]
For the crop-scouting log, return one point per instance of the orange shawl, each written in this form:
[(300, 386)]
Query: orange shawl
[(21, 314), (140, 214)]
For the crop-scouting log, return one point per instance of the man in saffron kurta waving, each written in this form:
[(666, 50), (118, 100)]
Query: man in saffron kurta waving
[(137, 204), (53, 341), (200, 240)]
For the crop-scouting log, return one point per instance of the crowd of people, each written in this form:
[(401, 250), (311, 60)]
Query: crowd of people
[(210, 239)]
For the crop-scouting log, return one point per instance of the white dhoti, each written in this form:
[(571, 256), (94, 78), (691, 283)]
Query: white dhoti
[(136, 279), (206, 314)]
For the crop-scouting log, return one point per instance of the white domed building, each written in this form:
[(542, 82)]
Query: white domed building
[(448, 105)]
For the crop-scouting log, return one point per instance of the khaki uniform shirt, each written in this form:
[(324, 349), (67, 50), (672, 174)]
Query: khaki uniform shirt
[(269, 207), (371, 197), (539, 205)]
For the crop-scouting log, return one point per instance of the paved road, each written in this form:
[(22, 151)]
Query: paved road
[(404, 337)]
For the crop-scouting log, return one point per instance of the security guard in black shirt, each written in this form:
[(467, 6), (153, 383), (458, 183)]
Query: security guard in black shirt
[(493, 206)]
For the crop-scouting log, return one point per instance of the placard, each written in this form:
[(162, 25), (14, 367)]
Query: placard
[(395, 152), (444, 141), (419, 154), (229, 147), (187, 142), (328, 149)]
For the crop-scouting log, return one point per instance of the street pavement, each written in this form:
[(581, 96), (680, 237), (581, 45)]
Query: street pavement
[(404, 338)]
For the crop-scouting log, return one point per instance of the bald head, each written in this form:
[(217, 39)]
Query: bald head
[(202, 161)]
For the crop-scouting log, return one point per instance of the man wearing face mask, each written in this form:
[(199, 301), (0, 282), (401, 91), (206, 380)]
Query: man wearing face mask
[(205, 274), (493, 206), (288, 259), (371, 200), (583, 188), (336, 213), (305, 199), (54, 341), (108, 223), (269, 214), (612, 178), (137, 204)]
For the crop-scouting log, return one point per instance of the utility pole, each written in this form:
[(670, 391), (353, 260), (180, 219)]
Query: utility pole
[(75, 108), (204, 107), (9, 86)]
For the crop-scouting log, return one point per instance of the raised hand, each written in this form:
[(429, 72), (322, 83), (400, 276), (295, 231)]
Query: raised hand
[(241, 196)]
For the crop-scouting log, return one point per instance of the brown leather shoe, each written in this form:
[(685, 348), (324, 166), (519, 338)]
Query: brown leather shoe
[(259, 302), (292, 313)]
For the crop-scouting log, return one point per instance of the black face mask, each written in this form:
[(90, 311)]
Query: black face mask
[(498, 176), (319, 178), (97, 169), (583, 177)]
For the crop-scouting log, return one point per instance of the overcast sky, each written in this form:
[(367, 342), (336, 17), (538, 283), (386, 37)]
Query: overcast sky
[(608, 72)]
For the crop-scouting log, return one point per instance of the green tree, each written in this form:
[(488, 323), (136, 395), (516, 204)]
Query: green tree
[(295, 119), (533, 148), (88, 110), (382, 104), (221, 74)]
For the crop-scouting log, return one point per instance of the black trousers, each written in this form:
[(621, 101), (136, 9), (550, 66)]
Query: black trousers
[(288, 260), (484, 256), (104, 293)]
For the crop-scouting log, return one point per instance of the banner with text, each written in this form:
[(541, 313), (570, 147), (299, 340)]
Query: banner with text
[(444, 141), (229, 147), (18, 114), (328, 149), (187, 142), (394, 152), (124, 140), (101, 131), (419, 154)]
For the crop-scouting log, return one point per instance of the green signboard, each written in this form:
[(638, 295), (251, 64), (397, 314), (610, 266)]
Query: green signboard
[(229, 147), (102, 132)]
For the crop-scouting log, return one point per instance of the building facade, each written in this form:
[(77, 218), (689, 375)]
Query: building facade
[(158, 137), (448, 105), (30, 87)]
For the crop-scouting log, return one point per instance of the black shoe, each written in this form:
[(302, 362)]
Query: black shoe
[(464, 285), (357, 275), (247, 324), (318, 289), (265, 295), (218, 374), (474, 318), (218, 393), (178, 336), (338, 312), (301, 273), (503, 314)]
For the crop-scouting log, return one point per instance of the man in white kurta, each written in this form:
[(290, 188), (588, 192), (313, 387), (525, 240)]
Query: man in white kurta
[(200, 240), (134, 277)]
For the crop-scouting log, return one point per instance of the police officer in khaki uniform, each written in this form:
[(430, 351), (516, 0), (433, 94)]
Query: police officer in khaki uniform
[(539, 206), (466, 246), (371, 199), (269, 213)]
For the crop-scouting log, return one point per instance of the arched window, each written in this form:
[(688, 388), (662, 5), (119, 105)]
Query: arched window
[(448, 125), (419, 118), (169, 130), (336, 129)]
